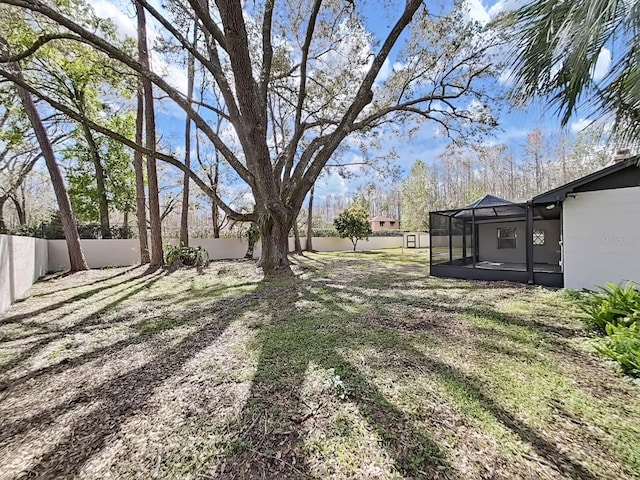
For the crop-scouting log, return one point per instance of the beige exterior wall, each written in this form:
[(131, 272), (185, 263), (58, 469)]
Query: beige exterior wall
[(488, 243), (601, 236), (22, 261), (376, 227)]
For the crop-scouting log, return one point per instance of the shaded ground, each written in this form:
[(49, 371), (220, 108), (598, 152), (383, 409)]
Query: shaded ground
[(360, 367)]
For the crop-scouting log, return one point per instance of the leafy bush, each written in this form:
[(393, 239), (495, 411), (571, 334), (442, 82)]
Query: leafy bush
[(185, 256), (617, 305), (615, 311), (623, 345)]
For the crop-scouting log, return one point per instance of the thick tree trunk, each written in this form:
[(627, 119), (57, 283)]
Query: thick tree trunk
[(275, 247), (184, 214), (150, 142), (76, 256), (101, 189), (141, 208), (309, 245)]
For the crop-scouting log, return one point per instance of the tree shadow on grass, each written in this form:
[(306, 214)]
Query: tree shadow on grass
[(455, 379), (268, 436), (269, 433), (66, 274), (73, 299), (119, 399), (52, 335), (126, 395), (307, 326)]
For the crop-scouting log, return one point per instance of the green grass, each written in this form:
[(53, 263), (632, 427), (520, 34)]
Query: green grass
[(360, 366)]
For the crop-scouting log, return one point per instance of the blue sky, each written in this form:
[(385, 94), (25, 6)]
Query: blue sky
[(426, 144)]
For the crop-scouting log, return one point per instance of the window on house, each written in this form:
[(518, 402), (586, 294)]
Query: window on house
[(392, 223), (507, 237), (382, 224), (538, 237)]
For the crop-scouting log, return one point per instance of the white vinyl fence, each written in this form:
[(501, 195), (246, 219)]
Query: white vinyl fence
[(22, 261)]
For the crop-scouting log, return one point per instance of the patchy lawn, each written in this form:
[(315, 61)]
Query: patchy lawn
[(360, 367)]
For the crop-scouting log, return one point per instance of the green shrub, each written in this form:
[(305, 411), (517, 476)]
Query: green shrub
[(617, 305), (353, 223), (185, 256), (623, 345)]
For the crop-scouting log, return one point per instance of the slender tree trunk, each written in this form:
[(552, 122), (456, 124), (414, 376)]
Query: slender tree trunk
[(76, 256), (22, 217), (23, 204), (184, 214), (214, 185), (251, 243), (101, 190), (215, 219), (3, 225), (296, 238), (141, 208), (309, 245), (150, 143), (125, 225)]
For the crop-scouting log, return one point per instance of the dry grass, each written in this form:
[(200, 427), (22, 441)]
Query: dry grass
[(359, 367)]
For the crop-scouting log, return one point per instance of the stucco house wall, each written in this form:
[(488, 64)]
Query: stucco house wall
[(601, 236)]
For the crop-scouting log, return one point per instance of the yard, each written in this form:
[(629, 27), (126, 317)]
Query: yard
[(359, 367)]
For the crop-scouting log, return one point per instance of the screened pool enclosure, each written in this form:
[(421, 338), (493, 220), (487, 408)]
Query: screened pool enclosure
[(494, 239)]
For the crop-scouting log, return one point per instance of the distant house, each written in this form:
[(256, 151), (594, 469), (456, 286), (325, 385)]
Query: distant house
[(380, 222), (579, 235)]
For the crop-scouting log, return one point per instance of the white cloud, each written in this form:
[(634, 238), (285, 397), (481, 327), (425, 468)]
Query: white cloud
[(477, 12), (602, 65), (125, 25), (505, 6), (331, 184), (173, 73), (580, 125)]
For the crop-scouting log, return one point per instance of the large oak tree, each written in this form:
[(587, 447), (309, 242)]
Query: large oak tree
[(332, 81)]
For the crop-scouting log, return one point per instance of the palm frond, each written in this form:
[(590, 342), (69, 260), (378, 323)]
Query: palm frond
[(558, 43)]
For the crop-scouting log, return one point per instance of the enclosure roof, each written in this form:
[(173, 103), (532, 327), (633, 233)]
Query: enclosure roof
[(489, 201), (486, 208)]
